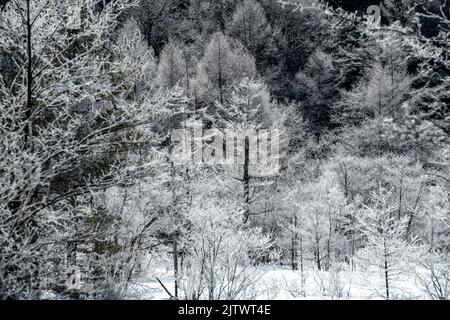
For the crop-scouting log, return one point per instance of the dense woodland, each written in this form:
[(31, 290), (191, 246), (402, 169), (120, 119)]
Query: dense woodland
[(91, 92)]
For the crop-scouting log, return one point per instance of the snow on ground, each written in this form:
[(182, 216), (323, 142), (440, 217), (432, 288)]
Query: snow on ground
[(281, 283), (148, 288)]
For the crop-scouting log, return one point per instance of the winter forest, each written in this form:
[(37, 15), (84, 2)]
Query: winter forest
[(226, 149)]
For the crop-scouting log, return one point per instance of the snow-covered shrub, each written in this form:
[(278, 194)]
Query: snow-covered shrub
[(221, 255), (296, 287), (432, 273), (338, 287)]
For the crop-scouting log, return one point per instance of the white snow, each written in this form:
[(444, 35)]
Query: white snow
[(282, 283)]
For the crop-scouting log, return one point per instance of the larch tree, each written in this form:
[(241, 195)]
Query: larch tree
[(250, 26), (137, 54), (224, 63), (158, 20), (253, 134), (172, 67), (315, 86), (321, 206), (386, 247)]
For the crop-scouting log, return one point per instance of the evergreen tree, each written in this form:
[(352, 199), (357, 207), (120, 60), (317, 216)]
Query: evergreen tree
[(224, 63), (172, 69)]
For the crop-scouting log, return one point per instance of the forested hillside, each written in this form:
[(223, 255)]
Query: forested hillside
[(202, 146)]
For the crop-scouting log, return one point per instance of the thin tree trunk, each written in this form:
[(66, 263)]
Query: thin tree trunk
[(246, 180), (302, 271), (175, 267), (28, 131), (220, 74), (386, 270), (294, 262), (400, 200), (318, 254)]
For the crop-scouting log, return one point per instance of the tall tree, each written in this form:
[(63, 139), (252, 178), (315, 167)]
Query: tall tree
[(386, 247), (224, 63), (66, 124), (172, 67), (315, 85), (250, 26), (251, 118)]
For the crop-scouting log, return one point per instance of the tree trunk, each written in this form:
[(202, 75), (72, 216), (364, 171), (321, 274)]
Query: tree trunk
[(386, 270), (175, 267), (246, 180), (317, 254), (302, 271), (294, 262)]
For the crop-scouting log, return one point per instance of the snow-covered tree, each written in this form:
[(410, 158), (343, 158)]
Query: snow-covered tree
[(386, 247), (432, 271), (250, 26), (322, 207), (251, 119), (157, 20), (224, 63), (66, 124), (136, 55), (172, 69), (315, 86)]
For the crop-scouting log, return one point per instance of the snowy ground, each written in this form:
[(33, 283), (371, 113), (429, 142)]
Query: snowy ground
[(281, 283)]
